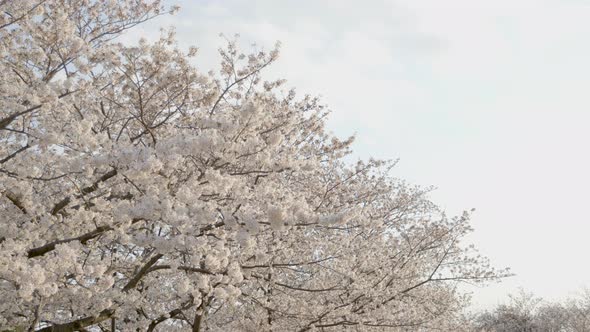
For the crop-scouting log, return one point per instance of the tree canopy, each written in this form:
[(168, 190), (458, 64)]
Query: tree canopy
[(142, 194)]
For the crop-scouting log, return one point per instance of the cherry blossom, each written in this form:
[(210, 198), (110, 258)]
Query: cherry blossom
[(139, 193)]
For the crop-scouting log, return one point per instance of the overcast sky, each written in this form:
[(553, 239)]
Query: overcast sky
[(486, 100)]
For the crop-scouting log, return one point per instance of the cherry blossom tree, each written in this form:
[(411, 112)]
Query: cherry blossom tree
[(139, 194), (525, 312)]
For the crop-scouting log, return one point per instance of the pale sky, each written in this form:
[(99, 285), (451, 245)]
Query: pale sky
[(486, 100)]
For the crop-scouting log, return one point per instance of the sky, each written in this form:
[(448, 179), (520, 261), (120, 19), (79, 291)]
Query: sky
[(485, 100)]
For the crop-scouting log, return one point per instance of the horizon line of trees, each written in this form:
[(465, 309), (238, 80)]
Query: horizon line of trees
[(525, 312)]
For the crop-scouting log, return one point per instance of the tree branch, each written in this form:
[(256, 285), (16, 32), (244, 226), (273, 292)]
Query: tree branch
[(86, 190), (40, 251), (143, 271), (79, 324)]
